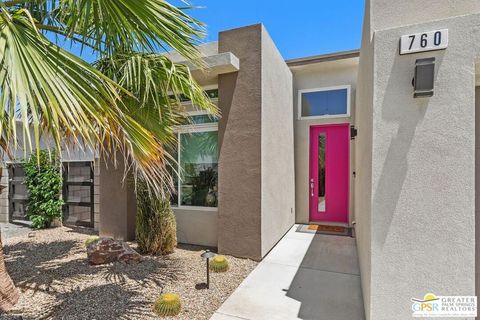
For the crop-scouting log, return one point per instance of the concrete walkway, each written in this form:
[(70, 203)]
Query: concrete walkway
[(306, 276), (10, 230)]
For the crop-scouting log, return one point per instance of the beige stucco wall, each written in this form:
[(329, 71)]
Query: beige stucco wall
[(197, 226), (239, 135), (255, 204), (421, 221), (278, 181), (313, 76), (117, 201), (389, 14), (363, 159)]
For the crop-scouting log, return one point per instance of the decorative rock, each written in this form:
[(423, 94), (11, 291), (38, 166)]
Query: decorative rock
[(108, 250)]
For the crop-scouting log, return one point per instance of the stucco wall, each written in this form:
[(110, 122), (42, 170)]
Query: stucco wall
[(363, 159), (197, 226), (239, 133), (390, 13), (422, 180), (117, 201), (256, 198), (278, 181), (313, 76)]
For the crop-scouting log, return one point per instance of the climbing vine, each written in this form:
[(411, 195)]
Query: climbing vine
[(43, 181)]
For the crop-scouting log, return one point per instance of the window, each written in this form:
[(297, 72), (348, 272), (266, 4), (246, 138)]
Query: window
[(203, 118), (325, 102), (197, 158), (211, 93)]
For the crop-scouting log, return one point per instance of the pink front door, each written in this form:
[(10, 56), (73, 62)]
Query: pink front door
[(329, 172)]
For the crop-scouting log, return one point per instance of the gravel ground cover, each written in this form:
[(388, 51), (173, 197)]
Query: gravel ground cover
[(51, 270)]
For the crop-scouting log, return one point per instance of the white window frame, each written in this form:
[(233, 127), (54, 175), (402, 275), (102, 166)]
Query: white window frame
[(205, 88), (193, 128), (327, 116)]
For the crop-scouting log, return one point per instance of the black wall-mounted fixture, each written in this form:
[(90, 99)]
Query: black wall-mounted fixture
[(423, 81), (353, 132)]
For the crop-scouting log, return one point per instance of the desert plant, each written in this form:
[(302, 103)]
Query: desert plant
[(167, 305), (128, 102), (43, 181), (169, 230), (219, 264), (91, 239), (156, 228)]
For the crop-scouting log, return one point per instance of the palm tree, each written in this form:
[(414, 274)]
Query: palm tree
[(126, 103)]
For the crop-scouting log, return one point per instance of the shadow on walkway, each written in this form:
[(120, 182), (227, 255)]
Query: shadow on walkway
[(305, 276), (327, 283)]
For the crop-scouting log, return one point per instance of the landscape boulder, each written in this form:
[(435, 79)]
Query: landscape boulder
[(107, 250)]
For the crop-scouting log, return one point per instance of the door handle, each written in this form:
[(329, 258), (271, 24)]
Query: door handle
[(311, 187)]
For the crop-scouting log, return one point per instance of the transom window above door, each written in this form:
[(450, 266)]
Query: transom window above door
[(332, 102)]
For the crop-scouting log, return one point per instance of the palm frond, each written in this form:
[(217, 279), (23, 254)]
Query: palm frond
[(158, 85), (42, 81), (132, 25), (53, 91), (127, 104)]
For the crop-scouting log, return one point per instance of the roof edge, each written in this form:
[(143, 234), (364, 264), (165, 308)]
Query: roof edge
[(323, 58)]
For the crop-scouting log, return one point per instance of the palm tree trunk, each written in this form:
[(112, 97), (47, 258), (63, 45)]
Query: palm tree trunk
[(8, 292)]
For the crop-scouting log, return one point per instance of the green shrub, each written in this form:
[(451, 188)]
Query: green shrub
[(167, 305), (156, 228), (91, 239), (219, 264), (43, 181)]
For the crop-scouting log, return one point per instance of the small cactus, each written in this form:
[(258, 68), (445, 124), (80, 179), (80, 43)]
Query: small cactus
[(219, 264), (91, 240), (167, 305)]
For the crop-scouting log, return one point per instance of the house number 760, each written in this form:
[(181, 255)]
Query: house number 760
[(425, 41), (437, 39)]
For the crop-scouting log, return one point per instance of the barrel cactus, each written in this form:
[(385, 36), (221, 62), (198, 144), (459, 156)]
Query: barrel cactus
[(91, 240), (167, 305), (219, 264)]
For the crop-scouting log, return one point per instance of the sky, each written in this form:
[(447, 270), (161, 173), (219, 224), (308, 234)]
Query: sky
[(299, 28)]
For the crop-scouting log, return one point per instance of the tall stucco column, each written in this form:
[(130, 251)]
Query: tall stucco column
[(117, 201), (256, 166)]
